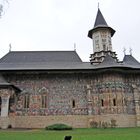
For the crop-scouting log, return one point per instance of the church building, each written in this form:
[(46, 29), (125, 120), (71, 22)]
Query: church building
[(41, 88)]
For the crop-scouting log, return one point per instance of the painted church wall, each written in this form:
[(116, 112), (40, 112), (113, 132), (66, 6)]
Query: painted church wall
[(66, 94)]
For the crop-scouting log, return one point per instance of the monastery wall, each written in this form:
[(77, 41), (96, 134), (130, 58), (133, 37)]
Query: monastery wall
[(73, 94), (74, 99), (76, 121)]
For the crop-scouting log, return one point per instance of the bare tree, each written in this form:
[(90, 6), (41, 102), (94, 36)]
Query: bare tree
[(3, 4)]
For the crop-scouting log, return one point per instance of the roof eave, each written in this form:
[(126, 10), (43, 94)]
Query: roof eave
[(98, 28)]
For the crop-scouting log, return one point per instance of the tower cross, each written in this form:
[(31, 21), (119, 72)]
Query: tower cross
[(10, 47), (130, 51), (124, 51)]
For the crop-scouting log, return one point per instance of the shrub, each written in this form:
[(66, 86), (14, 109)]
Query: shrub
[(100, 124), (113, 123), (58, 127), (105, 125), (94, 124)]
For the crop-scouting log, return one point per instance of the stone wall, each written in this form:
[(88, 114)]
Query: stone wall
[(76, 121)]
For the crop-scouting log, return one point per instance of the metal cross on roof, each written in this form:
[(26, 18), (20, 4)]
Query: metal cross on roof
[(124, 51), (130, 51)]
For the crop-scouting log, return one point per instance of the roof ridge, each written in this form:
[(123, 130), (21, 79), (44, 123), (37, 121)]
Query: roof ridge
[(45, 51), (40, 56)]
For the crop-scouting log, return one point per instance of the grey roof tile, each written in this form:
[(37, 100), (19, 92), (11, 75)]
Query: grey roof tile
[(100, 21), (15, 65), (40, 56), (108, 61), (130, 60)]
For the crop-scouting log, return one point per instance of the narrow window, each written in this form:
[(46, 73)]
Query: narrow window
[(26, 101), (44, 101), (73, 103), (114, 102), (102, 102), (104, 47)]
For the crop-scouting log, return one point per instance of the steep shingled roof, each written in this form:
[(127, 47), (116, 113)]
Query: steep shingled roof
[(40, 56), (100, 21), (108, 62)]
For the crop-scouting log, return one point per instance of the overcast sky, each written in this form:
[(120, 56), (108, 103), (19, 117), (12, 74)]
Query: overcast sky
[(44, 25)]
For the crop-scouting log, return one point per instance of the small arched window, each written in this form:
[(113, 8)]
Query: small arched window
[(26, 101), (102, 102), (114, 102), (73, 103), (44, 101)]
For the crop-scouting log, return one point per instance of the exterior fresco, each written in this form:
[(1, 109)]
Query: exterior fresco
[(67, 94)]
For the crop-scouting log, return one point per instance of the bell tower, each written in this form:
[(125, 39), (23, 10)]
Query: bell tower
[(101, 36)]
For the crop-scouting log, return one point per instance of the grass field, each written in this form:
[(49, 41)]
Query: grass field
[(77, 134)]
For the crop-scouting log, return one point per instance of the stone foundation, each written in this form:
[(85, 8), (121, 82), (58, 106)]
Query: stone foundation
[(76, 121)]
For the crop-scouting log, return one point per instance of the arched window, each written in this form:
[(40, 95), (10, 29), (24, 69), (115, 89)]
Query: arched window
[(26, 101), (114, 102), (11, 104), (73, 103), (102, 102), (44, 101)]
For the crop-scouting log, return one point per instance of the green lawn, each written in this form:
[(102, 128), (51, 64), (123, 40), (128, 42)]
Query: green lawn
[(77, 134)]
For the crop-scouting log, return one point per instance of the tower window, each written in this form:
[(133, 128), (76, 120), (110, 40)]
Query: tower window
[(104, 47), (103, 40), (102, 102), (114, 102), (73, 103), (96, 41)]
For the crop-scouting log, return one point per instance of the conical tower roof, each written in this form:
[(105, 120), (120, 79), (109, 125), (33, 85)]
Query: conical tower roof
[(100, 23)]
